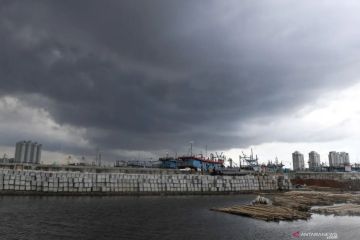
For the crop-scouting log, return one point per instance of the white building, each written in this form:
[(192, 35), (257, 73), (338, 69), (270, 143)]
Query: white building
[(298, 161), (344, 158), (314, 160), (28, 152), (338, 159)]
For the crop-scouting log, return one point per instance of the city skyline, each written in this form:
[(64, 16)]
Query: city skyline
[(313, 162)]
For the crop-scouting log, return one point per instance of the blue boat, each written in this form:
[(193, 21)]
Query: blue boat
[(193, 162), (168, 162)]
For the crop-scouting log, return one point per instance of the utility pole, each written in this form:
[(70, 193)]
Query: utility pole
[(98, 157), (191, 146)]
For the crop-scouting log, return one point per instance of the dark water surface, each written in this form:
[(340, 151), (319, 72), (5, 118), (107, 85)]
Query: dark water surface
[(150, 218)]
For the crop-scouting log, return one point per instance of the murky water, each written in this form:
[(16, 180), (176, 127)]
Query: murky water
[(151, 218)]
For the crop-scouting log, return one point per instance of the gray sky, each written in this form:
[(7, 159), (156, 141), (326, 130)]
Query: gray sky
[(149, 76)]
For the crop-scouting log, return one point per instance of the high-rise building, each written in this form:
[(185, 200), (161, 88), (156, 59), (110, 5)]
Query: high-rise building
[(314, 160), (38, 154), (28, 152), (338, 159), (333, 159), (28, 146), (298, 161), (344, 158), (33, 152)]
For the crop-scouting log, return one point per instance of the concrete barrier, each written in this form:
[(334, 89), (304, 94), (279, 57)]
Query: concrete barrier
[(47, 182)]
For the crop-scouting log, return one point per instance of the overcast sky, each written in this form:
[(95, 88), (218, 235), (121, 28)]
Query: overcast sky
[(142, 78)]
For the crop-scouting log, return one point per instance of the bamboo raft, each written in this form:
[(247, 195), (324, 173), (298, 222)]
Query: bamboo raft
[(304, 200), (297, 205), (340, 210), (266, 212)]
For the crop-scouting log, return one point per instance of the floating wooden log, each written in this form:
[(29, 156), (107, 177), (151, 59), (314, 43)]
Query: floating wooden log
[(266, 212), (339, 210), (297, 205)]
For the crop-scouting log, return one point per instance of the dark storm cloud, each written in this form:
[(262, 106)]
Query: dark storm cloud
[(155, 74)]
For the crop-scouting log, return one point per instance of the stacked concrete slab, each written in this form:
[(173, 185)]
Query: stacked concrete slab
[(122, 183)]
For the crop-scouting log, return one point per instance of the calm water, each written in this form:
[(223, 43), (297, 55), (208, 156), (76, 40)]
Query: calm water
[(150, 218)]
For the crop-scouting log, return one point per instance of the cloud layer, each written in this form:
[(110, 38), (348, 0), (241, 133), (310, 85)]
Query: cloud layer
[(151, 76)]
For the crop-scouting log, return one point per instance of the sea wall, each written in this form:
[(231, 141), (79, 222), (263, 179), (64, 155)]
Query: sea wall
[(46, 182), (340, 180)]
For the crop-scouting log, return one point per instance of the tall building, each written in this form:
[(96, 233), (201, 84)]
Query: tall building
[(28, 146), (314, 160), (298, 161), (28, 152), (338, 159), (344, 158), (38, 154), (333, 159)]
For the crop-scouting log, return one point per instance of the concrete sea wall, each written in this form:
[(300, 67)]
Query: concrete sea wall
[(46, 182)]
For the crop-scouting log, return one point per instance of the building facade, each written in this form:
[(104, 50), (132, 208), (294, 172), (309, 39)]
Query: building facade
[(339, 159), (28, 152), (298, 161), (314, 160)]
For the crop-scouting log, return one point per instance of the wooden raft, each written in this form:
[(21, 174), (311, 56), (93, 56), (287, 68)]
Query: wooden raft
[(297, 205), (266, 212), (339, 210)]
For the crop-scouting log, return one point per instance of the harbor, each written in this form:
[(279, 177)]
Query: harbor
[(191, 174)]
